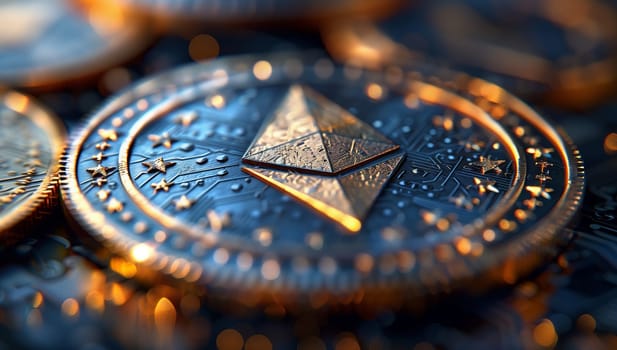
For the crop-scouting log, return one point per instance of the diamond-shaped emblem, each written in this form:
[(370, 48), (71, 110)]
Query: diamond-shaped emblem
[(317, 152)]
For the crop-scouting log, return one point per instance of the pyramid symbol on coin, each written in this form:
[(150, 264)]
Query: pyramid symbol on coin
[(319, 153)]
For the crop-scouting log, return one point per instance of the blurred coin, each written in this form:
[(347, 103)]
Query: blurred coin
[(565, 52), (255, 11), (288, 175), (46, 43), (31, 140)]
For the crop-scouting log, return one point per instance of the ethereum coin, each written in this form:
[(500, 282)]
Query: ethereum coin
[(288, 175), (565, 53), (59, 41), (31, 141)]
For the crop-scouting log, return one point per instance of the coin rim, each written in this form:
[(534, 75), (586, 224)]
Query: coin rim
[(526, 244), (44, 195)]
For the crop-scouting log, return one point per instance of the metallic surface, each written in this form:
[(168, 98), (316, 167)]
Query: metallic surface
[(308, 132), (254, 11), (31, 140), (190, 212), (563, 52), (35, 52)]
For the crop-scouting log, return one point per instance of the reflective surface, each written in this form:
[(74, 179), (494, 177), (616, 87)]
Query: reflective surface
[(35, 52), (31, 140), (473, 189), (58, 290)]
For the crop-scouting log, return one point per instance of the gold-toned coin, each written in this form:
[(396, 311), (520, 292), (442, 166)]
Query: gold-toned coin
[(31, 143), (51, 42), (289, 176)]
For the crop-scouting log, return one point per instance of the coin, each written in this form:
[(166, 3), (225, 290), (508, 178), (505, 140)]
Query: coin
[(31, 140), (260, 11), (565, 54), (60, 41), (289, 175)]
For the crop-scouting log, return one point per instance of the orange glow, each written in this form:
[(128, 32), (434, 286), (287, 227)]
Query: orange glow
[(123, 267), (349, 222), (271, 269), (229, 339), (544, 334), (70, 307), (217, 101), (141, 252), (262, 70), (364, 263), (203, 47), (610, 143), (258, 342), (95, 301), (37, 301), (374, 91), (119, 295), (18, 103), (164, 315), (463, 246)]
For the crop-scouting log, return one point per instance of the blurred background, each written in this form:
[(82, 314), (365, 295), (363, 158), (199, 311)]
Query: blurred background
[(558, 55)]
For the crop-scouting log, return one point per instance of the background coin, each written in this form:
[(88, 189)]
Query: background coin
[(32, 141), (565, 54), (61, 41)]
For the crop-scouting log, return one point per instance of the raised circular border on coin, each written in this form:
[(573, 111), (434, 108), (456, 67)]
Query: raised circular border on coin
[(37, 139), (104, 199), (102, 36)]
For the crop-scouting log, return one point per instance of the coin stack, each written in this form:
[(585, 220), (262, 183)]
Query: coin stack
[(337, 174)]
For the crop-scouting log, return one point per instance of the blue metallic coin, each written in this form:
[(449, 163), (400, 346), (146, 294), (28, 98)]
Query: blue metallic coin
[(31, 142), (288, 175), (55, 42), (261, 11), (562, 52)]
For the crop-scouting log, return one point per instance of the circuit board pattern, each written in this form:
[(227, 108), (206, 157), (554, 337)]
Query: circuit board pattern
[(176, 158)]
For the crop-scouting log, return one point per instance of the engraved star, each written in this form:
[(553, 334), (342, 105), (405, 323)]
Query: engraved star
[(100, 170), (19, 190), (30, 171), (485, 185), (539, 191), (159, 164), (186, 119), (164, 139), (99, 157), (108, 134), (183, 203), (103, 195), (486, 164), (114, 206), (102, 146), (162, 185)]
